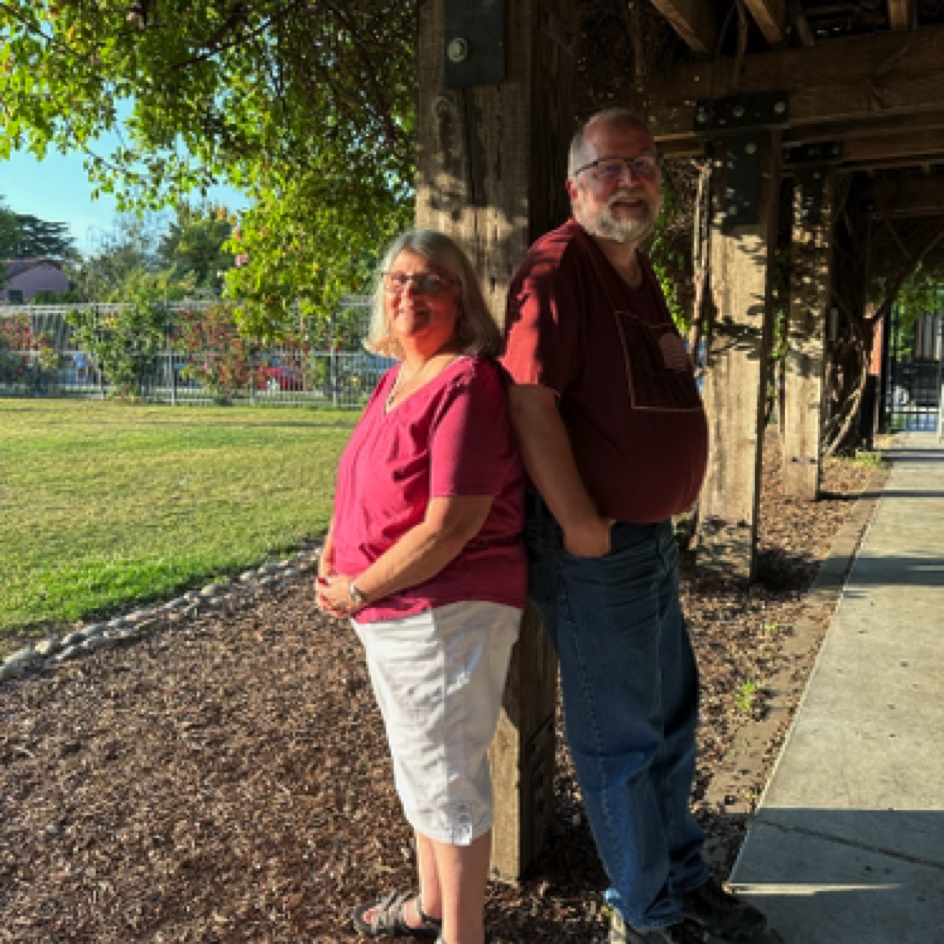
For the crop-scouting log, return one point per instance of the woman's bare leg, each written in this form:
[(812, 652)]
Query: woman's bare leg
[(463, 875), (430, 887)]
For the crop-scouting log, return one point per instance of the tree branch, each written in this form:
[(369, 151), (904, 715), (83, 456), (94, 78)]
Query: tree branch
[(890, 297)]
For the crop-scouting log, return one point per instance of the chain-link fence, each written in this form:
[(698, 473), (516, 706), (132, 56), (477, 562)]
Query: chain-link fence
[(40, 355)]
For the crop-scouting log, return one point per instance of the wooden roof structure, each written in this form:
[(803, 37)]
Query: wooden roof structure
[(864, 78)]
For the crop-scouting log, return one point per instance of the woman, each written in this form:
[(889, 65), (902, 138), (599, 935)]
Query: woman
[(425, 555)]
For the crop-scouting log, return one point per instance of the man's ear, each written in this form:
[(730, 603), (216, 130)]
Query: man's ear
[(571, 186)]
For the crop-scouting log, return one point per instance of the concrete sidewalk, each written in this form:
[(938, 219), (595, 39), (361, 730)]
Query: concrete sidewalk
[(848, 841)]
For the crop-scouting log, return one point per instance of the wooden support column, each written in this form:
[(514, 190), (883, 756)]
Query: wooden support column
[(810, 292), (735, 388), (491, 166)]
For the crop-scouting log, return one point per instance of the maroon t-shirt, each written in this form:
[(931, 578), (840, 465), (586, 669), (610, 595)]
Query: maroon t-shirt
[(626, 387)]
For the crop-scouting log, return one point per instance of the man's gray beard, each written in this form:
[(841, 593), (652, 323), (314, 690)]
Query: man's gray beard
[(607, 226)]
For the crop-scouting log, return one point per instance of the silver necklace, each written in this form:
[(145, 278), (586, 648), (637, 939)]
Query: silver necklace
[(395, 389)]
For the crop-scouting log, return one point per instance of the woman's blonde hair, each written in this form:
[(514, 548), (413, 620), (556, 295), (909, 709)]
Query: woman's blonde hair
[(475, 328)]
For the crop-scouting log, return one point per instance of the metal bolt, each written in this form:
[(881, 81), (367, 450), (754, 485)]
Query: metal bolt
[(780, 107), (738, 111), (701, 115), (458, 50), (750, 148), (732, 209)]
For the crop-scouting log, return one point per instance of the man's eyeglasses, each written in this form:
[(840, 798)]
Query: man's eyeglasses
[(425, 283), (645, 167)]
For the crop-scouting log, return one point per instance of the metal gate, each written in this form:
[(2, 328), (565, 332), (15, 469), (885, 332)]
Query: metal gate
[(914, 373)]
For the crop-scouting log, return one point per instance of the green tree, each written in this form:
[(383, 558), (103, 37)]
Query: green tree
[(23, 236), (122, 257), (192, 247), (9, 233), (36, 237), (308, 108)]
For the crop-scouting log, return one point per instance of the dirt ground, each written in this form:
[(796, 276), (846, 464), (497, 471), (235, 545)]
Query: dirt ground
[(228, 781)]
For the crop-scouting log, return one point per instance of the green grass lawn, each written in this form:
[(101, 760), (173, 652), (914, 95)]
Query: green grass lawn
[(105, 505)]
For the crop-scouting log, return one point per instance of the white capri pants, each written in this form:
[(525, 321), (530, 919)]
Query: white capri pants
[(439, 678)]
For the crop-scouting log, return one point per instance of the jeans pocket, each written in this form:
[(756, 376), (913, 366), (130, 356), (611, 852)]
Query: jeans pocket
[(632, 566)]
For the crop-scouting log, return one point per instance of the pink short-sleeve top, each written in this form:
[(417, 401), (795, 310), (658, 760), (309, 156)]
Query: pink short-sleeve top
[(450, 437)]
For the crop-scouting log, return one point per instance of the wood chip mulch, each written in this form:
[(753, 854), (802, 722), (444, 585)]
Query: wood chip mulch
[(228, 781)]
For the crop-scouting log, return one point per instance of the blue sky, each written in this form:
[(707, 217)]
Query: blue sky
[(58, 190)]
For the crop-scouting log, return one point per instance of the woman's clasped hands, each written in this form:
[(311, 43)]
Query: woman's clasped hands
[(334, 595)]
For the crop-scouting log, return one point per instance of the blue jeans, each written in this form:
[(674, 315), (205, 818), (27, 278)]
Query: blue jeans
[(630, 688)]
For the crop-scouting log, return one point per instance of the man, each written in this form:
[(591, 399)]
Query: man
[(614, 438)]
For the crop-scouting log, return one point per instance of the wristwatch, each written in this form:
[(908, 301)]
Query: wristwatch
[(353, 591)]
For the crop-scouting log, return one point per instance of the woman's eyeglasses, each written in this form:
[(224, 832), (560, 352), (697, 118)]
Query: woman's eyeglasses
[(425, 283)]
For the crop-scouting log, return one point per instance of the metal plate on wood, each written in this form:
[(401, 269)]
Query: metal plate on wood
[(811, 183), (742, 180), (473, 42), (815, 154), (740, 113)]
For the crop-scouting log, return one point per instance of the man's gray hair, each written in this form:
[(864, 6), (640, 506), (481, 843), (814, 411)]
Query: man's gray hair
[(476, 329), (575, 157)]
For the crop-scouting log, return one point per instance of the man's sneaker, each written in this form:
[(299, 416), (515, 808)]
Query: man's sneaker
[(722, 914), (684, 933)]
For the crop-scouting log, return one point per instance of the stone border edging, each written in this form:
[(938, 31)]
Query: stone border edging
[(52, 651)]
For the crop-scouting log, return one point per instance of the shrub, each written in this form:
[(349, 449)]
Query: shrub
[(127, 345), (217, 354), (23, 354)]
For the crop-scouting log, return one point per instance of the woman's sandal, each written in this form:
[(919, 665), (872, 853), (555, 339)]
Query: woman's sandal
[(390, 921)]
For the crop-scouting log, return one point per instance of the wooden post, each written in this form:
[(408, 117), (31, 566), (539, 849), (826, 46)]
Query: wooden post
[(491, 166), (735, 388), (522, 754), (810, 288)]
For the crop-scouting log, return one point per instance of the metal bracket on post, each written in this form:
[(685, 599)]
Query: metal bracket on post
[(739, 122), (473, 42), (808, 162), (742, 182)]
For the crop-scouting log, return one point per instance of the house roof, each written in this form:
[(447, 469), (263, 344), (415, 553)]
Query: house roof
[(19, 266)]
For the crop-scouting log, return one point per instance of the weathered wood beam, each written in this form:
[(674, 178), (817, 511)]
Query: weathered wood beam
[(850, 130), (770, 16), (491, 165), (694, 21), (896, 140), (884, 149), (735, 386), (904, 196), (810, 293), (800, 24), (902, 14), (857, 79)]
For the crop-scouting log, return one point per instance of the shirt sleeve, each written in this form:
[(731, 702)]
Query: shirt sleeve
[(541, 324), (472, 449)]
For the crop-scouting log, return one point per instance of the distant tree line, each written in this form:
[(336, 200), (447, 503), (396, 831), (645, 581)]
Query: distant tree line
[(182, 257), (24, 236)]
